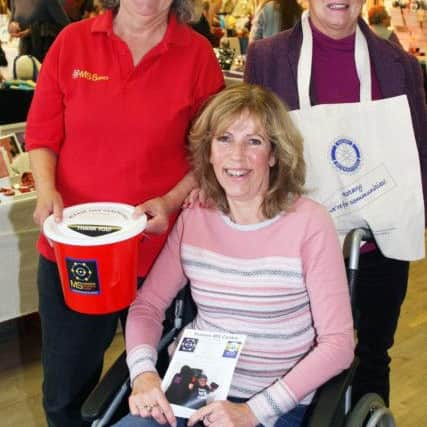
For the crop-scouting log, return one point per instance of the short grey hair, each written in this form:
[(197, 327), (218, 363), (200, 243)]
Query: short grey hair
[(183, 9)]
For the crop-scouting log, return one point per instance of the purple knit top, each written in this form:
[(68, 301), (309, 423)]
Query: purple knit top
[(334, 70)]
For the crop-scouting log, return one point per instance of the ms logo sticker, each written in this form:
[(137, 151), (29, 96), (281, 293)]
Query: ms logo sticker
[(188, 344), (83, 276)]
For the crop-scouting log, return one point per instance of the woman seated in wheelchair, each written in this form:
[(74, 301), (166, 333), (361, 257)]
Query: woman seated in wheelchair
[(262, 260)]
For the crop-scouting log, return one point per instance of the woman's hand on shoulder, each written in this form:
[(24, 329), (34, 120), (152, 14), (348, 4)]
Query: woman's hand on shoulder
[(157, 211), (49, 201), (197, 197), (225, 414), (148, 400)]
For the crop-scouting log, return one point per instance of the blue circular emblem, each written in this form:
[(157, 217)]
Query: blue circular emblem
[(345, 155)]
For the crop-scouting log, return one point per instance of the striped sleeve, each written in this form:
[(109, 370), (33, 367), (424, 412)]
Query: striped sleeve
[(141, 359), (144, 324), (271, 403)]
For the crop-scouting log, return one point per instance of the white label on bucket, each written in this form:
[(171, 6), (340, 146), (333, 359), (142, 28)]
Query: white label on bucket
[(98, 212)]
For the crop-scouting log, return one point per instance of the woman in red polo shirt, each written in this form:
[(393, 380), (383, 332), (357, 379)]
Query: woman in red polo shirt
[(108, 122)]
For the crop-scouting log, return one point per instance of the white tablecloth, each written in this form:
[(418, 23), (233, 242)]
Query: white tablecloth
[(18, 259)]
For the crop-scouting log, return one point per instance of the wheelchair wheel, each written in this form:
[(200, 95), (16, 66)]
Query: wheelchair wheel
[(370, 411)]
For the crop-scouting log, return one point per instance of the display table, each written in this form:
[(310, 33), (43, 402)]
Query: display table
[(18, 258), (14, 105)]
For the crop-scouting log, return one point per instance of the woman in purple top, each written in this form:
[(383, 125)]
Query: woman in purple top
[(334, 79)]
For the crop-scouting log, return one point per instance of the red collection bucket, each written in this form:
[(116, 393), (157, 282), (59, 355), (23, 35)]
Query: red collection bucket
[(96, 247)]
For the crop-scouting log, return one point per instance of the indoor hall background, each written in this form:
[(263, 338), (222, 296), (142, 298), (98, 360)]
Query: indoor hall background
[(20, 370)]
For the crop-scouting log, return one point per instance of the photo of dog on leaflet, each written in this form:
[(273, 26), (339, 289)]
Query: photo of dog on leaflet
[(189, 387)]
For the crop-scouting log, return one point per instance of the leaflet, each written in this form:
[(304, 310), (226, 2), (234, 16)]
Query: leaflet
[(201, 369)]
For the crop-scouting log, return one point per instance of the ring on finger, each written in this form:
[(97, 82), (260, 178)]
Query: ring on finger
[(149, 407)]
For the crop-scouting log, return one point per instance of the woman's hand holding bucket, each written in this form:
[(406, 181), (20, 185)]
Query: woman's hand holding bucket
[(49, 201), (157, 211)]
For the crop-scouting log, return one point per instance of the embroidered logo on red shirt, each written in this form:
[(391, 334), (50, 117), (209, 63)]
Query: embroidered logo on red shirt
[(87, 75)]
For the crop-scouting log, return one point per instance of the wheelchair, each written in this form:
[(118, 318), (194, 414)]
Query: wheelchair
[(331, 406)]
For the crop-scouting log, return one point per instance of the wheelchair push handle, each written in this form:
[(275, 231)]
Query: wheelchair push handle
[(352, 241), (355, 238)]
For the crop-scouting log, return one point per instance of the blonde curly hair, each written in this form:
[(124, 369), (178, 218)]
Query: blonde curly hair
[(287, 176)]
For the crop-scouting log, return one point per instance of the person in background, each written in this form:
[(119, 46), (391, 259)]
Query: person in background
[(215, 7), (242, 8), (201, 25), (36, 23), (78, 9), (97, 8), (263, 261), (273, 16), (108, 123), (273, 63), (379, 21), (4, 10)]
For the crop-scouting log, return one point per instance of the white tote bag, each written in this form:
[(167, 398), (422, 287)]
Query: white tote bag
[(362, 159)]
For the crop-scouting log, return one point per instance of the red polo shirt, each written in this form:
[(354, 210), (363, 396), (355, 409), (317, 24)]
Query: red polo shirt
[(119, 131)]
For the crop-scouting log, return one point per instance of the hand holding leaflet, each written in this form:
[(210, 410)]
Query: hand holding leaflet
[(201, 369)]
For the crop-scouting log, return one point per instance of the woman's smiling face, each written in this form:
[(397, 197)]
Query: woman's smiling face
[(335, 18), (241, 157)]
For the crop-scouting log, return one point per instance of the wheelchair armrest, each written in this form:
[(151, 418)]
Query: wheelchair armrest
[(328, 407), (115, 383), (100, 398)]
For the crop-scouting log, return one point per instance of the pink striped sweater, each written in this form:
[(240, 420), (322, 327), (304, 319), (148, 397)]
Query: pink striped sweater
[(281, 282)]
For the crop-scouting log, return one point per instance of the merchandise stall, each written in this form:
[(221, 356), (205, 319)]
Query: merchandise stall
[(409, 20), (234, 19), (18, 233)]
